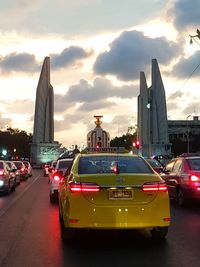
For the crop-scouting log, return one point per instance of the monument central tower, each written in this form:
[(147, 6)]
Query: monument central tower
[(43, 147)]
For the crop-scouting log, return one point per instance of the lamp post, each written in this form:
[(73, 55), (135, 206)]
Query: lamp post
[(188, 139)]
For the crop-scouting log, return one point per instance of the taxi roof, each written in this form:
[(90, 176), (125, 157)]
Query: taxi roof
[(108, 154)]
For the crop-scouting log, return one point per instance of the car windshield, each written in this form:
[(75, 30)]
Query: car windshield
[(194, 164), (64, 164), (106, 164), (18, 164)]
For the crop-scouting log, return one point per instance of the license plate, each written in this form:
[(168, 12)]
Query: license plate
[(120, 194)]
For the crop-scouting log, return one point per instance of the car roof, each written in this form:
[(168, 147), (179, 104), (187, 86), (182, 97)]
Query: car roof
[(66, 159)]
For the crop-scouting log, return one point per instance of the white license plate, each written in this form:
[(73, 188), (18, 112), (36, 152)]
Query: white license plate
[(114, 194)]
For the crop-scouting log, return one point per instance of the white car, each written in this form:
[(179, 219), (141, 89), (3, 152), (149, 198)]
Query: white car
[(7, 178), (61, 167), (28, 167)]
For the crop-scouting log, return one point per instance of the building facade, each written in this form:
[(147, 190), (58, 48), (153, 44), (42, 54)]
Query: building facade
[(186, 131)]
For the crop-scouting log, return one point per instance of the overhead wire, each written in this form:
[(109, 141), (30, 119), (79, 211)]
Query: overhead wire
[(186, 80)]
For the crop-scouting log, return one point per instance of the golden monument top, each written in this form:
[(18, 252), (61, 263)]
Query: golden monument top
[(98, 122)]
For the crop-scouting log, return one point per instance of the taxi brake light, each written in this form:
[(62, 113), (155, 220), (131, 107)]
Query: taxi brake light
[(83, 187), (154, 187)]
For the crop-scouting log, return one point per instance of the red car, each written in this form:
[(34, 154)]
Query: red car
[(182, 176)]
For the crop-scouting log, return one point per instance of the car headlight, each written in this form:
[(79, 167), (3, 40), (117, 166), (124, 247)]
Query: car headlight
[(1, 182)]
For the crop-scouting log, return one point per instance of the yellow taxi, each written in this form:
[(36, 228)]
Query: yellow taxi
[(113, 191)]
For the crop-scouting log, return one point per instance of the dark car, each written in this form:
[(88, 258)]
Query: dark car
[(182, 176), (156, 165)]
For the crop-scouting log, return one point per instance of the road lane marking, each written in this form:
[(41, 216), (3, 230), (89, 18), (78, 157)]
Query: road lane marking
[(3, 211)]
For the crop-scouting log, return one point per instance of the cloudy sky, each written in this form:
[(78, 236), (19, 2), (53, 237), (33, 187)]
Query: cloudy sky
[(97, 50)]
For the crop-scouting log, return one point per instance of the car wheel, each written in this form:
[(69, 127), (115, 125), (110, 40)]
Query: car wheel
[(67, 234), (180, 198), (158, 234), (13, 186), (53, 198), (7, 191)]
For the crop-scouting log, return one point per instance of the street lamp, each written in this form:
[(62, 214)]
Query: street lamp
[(188, 139)]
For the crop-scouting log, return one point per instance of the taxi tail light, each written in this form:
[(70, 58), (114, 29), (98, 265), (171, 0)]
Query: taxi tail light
[(154, 187), (2, 172), (84, 187)]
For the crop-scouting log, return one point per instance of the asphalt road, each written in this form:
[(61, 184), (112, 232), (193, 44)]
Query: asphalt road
[(30, 236)]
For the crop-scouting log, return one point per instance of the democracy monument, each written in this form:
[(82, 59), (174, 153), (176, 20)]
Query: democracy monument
[(152, 125), (43, 146)]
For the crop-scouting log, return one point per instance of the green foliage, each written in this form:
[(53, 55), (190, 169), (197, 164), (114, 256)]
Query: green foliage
[(125, 140), (16, 142)]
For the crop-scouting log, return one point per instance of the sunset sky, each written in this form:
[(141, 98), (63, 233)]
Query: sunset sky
[(97, 50)]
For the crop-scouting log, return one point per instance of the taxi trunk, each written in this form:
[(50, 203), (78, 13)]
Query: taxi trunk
[(117, 201)]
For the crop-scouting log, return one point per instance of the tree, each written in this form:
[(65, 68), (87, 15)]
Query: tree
[(16, 142), (125, 140)]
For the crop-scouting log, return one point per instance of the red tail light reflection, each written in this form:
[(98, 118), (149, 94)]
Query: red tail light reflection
[(1, 172), (84, 187), (56, 178), (194, 178), (154, 187), (22, 169)]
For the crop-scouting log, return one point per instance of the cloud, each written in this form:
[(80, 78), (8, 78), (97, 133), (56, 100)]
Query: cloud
[(68, 56), (22, 62), (185, 14), (26, 63), (4, 122), (175, 96), (93, 96), (75, 17), (96, 105), (120, 123), (132, 52), (187, 67), (21, 106)]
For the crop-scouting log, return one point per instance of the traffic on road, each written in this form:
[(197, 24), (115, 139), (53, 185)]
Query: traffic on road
[(115, 203)]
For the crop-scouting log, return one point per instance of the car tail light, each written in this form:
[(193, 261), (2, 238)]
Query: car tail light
[(194, 178), (2, 172), (84, 187), (22, 169), (154, 187), (56, 178)]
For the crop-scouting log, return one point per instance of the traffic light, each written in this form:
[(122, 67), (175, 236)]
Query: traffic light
[(136, 144)]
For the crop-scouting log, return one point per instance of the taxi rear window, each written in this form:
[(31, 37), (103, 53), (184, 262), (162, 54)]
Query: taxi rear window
[(106, 164)]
